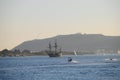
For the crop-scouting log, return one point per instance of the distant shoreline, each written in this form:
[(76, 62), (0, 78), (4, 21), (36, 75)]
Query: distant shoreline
[(11, 54)]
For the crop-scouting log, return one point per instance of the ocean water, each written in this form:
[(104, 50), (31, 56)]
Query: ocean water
[(88, 67)]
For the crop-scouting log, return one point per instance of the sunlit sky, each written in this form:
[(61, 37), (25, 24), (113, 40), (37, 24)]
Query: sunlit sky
[(22, 20)]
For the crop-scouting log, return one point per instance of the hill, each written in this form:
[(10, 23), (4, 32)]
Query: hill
[(79, 42)]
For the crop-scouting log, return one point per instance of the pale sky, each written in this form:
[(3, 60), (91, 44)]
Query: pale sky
[(22, 20)]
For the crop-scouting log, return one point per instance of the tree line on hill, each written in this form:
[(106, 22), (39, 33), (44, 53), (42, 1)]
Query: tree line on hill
[(17, 52)]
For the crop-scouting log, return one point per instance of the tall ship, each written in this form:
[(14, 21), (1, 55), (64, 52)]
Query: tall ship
[(54, 51)]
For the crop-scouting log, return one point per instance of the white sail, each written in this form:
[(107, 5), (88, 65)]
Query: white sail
[(75, 53)]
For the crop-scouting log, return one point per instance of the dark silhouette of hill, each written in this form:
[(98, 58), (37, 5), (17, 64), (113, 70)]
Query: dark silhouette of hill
[(86, 42)]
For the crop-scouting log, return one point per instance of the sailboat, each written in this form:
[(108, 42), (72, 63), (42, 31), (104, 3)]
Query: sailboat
[(54, 51)]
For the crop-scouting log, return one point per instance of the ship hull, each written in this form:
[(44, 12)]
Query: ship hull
[(54, 55)]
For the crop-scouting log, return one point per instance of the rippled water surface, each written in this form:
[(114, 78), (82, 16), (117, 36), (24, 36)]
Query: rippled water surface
[(88, 67)]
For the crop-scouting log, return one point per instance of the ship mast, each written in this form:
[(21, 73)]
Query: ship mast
[(50, 47), (56, 46)]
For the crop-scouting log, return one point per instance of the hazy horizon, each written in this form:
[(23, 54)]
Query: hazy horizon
[(22, 20)]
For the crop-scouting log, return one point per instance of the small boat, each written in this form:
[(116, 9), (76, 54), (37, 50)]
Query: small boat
[(54, 51), (71, 61), (110, 60)]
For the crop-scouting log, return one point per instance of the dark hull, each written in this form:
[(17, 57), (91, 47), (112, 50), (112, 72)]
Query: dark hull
[(54, 55), (50, 54)]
